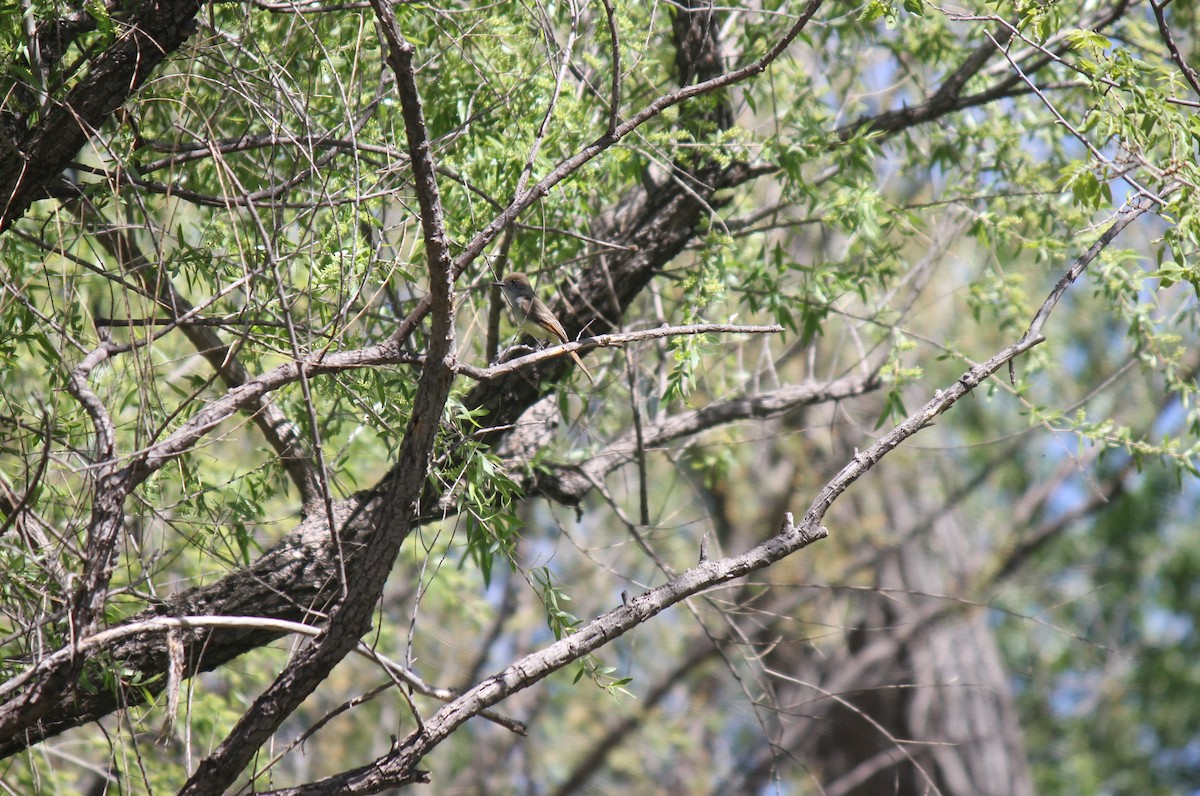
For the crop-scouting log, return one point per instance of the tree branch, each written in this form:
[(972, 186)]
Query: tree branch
[(616, 340), (1164, 30), (109, 489), (276, 428), (572, 164), (366, 574), (399, 766), (150, 32), (568, 485)]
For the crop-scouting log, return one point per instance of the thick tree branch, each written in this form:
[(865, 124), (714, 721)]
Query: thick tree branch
[(109, 489), (660, 221), (367, 573), (949, 97), (150, 32)]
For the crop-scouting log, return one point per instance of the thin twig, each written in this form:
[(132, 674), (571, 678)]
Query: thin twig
[(1083, 139), (614, 340)]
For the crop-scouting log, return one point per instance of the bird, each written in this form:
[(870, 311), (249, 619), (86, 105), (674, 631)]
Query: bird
[(533, 316)]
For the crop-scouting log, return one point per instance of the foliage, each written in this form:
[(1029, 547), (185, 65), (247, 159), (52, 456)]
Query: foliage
[(899, 190)]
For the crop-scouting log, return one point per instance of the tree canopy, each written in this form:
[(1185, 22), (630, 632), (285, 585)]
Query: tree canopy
[(887, 482)]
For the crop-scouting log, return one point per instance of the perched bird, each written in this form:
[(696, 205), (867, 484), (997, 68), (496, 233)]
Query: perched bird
[(533, 316)]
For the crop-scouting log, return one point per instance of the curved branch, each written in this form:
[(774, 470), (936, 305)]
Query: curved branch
[(948, 98), (1164, 30), (366, 575), (109, 489)]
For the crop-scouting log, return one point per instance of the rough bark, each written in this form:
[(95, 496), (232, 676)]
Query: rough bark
[(42, 144), (298, 577)]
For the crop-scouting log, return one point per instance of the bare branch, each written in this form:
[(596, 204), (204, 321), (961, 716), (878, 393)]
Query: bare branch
[(399, 766), (1126, 216), (614, 99), (613, 340)]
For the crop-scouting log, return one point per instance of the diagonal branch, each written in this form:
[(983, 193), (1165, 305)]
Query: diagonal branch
[(572, 164), (1124, 218), (277, 429), (1164, 30), (399, 765), (151, 32), (350, 617)]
